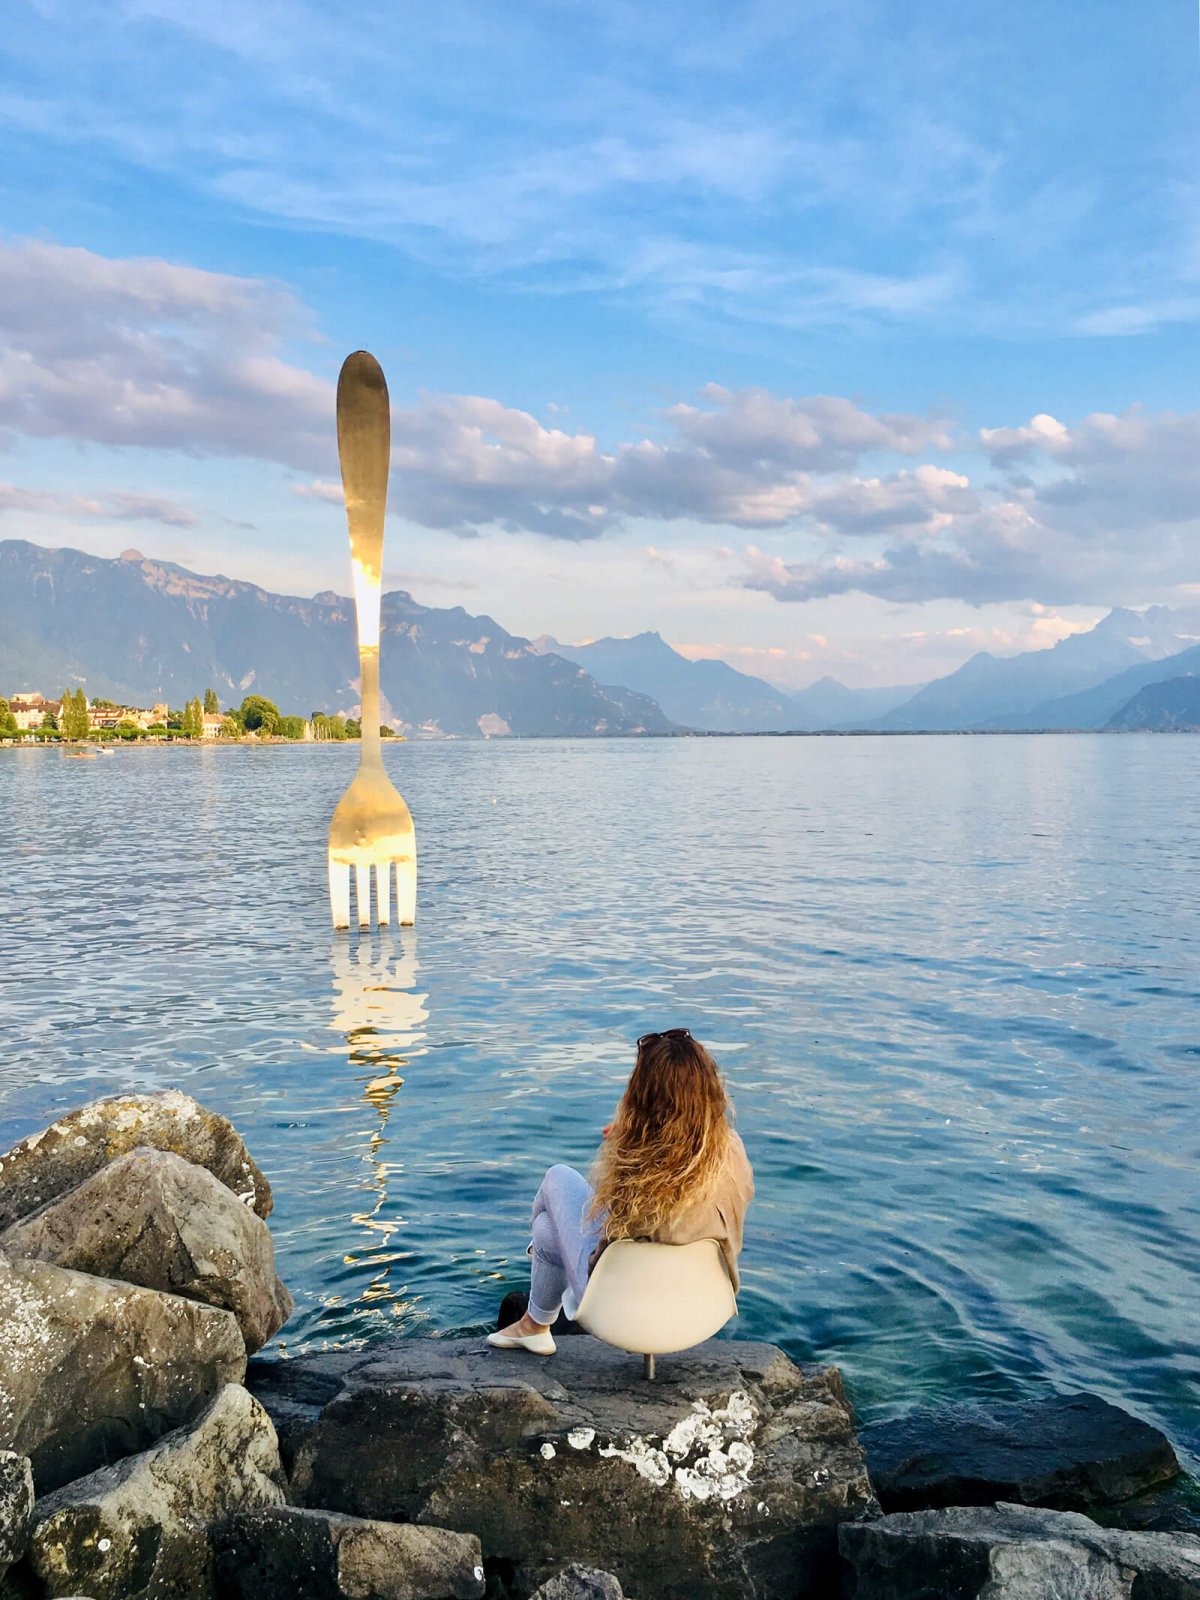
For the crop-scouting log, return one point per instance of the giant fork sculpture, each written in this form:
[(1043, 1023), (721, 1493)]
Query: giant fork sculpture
[(372, 826)]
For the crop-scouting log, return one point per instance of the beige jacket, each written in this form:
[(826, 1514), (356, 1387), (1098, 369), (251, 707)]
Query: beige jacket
[(718, 1214)]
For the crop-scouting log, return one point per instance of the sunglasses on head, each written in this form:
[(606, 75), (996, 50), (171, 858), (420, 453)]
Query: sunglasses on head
[(670, 1033)]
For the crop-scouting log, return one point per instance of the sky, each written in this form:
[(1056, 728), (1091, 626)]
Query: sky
[(824, 336)]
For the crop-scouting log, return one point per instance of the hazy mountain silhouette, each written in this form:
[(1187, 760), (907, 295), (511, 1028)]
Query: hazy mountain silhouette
[(1172, 706), (710, 695), (1092, 708), (831, 704), (717, 698), (144, 631), (1010, 691)]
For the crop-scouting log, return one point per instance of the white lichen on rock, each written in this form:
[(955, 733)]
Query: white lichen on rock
[(646, 1459), (548, 1452), (710, 1446)]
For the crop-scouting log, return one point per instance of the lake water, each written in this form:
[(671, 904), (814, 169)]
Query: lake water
[(953, 983)]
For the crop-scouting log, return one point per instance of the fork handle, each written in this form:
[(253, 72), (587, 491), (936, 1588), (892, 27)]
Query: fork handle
[(364, 430)]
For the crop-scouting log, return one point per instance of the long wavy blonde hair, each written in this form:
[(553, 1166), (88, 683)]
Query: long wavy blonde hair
[(668, 1140)]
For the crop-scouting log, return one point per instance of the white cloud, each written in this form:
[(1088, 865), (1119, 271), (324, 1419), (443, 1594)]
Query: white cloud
[(145, 353), (149, 353), (112, 506)]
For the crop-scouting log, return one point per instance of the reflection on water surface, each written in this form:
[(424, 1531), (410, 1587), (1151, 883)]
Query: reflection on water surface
[(953, 983)]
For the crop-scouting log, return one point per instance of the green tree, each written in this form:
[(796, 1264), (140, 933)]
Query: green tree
[(191, 720), (325, 727), (74, 714), (291, 727), (211, 704), (385, 732), (8, 723), (49, 722), (353, 728), (259, 715)]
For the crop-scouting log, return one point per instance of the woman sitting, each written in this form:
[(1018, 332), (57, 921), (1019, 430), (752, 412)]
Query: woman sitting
[(670, 1169)]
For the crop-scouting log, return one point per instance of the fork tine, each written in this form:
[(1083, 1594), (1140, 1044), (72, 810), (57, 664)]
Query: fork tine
[(362, 891), (339, 893), (383, 892), (406, 893)]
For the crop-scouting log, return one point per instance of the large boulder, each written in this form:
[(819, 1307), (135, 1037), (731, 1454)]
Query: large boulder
[(47, 1164), (93, 1370), (1011, 1552), (141, 1528), (154, 1219), (278, 1554), (16, 1507), (725, 1478), (1066, 1451)]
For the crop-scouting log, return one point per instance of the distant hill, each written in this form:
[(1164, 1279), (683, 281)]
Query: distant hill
[(1172, 706), (142, 631), (1092, 708), (830, 704), (1002, 691), (714, 697), (709, 695)]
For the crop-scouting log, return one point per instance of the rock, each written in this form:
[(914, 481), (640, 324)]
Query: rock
[(283, 1553), (293, 1389), (141, 1528), (49, 1163), (93, 1370), (154, 1219), (580, 1583), (726, 1478), (1174, 1508), (1012, 1552), (1066, 1451), (16, 1507)]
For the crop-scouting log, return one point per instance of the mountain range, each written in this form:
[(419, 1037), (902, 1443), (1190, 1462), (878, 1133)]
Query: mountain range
[(712, 696), (140, 631)]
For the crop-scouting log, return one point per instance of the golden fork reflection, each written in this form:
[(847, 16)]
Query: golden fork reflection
[(381, 1016)]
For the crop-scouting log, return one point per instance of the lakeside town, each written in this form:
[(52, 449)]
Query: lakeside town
[(29, 717)]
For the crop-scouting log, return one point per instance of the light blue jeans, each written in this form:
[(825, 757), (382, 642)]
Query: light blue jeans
[(563, 1240)]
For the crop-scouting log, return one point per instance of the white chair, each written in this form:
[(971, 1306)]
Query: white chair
[(651, 1299)]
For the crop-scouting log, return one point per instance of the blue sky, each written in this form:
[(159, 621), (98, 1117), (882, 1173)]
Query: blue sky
[(844, 337)]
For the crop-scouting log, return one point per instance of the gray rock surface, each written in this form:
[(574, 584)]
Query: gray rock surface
[(48, 1164), (281, 1554), (93, 1370), (154, 1219), (1067, 1451), (140, 1529), (16, 1507), (726, 1478), (1013, 1552), (580, 1583), (294, 1390)]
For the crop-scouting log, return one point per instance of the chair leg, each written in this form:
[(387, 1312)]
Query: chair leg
[(648, 1367)]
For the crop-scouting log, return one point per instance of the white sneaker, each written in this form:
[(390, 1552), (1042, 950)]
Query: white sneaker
[(538, 1344)]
